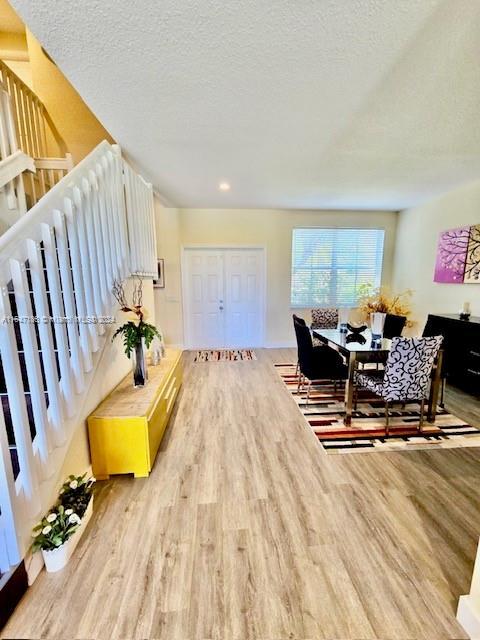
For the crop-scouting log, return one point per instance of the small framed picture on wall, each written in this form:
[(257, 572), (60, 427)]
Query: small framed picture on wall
[(159, 281)]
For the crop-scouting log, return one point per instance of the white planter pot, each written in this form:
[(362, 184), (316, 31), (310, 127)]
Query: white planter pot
[(58, 558)]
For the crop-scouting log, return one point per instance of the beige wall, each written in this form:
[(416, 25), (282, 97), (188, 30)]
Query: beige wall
[(76, 124), (13, 51), (417, 237), (168, 301), (271, 229)]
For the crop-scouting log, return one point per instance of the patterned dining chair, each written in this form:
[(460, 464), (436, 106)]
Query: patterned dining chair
[(324, 318), (407, 374)]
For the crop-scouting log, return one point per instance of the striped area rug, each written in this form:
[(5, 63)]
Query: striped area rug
[(225, 355), (325, 412)]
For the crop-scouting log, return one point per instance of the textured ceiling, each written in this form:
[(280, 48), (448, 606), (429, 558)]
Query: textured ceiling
[(297, 103)]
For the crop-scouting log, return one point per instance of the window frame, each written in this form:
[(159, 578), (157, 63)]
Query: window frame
[(311, 305)]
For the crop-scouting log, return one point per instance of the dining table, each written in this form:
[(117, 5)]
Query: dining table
[(365, 348)]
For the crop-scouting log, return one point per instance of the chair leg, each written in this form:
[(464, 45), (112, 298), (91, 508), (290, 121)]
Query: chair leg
[(387, 426), (422, 413), (442, 394), (308, 391)]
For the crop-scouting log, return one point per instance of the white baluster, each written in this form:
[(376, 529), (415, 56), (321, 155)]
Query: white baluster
[(107, 231), (16, 401), (8, 502), (121, 208), (97, 236), (86, 260), (32, 362), (66, 384), (68, 299), (55, 402), (90, 232), (111, 217), (79, 285)]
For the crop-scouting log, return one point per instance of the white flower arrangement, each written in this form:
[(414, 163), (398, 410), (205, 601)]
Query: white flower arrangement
[(61, 522), (54, 529)]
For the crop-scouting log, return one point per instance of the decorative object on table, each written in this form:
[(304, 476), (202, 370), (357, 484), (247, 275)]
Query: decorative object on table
[(381, 300), (343, 316), (355, 334), (157, 350), (137, 334), (377, 322), (159, 281), (325, 411), (472, 262), (465, 313), (59, 531), (458, 256)]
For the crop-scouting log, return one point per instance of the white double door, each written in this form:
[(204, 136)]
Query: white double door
[(223, 297)]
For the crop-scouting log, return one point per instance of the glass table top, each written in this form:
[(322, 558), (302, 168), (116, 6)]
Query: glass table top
[(349, 342)]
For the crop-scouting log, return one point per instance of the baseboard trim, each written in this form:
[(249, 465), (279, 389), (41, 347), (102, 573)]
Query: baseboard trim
[(468, 615), (280, 345), (269, 345)]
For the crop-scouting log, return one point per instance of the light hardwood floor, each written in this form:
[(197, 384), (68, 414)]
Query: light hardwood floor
[(247, 530)]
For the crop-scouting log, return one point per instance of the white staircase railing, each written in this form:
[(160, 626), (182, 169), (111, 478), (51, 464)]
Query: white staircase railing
[(26, 126), (143, 253), (36, 133), (13, 161), (59, 261)]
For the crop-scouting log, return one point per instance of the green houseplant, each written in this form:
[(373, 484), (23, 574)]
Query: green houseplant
[(137, 334), (59, 531)]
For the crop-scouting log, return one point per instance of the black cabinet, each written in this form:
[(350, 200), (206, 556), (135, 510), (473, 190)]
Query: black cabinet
[(461, 344)]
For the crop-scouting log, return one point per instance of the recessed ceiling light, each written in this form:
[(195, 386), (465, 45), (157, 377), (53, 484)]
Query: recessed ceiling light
[(224, 186)]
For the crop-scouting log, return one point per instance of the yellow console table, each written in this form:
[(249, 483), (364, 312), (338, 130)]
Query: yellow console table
[(125, 430)]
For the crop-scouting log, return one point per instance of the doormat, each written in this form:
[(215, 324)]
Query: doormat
[(225, 355)]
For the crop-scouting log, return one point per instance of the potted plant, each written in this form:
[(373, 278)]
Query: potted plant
[(137, 334), (59, 531), (76, 493), (376, 303)]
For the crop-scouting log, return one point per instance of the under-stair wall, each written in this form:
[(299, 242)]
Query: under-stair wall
[(57, 267)]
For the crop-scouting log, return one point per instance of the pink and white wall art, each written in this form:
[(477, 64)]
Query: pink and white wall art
[(458, 256)]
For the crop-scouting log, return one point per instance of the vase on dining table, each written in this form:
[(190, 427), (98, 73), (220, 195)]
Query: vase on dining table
[(377, 322)]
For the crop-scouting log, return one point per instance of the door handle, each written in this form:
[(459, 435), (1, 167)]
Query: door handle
[(221, 308)]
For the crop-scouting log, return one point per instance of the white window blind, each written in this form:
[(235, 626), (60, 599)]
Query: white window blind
[(329, 265)]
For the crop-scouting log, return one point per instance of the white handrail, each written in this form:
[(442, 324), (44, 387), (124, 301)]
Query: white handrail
[(61, 259)]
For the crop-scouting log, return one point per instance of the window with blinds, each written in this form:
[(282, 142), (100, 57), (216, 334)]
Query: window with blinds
[(329, 265)]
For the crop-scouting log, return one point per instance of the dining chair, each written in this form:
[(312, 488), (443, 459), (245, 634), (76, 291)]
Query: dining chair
[(325, 318), (316, 363), (444, 372), (299, 320), (394, 325), (406, 376)]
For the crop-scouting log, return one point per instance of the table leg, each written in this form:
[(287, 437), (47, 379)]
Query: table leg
[(349, 387), (435, 386)]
